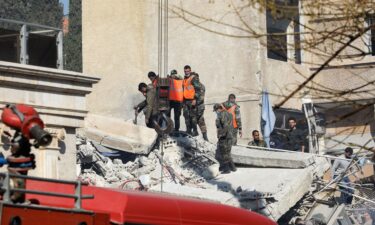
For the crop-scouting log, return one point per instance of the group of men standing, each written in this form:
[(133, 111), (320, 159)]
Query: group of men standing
[(188, 94), (185, 94)]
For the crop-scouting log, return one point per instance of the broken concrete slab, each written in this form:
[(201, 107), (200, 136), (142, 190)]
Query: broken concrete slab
[(287, 187), (262, 158), (189, 170), (276, 194), (118, 142), (120, 135)]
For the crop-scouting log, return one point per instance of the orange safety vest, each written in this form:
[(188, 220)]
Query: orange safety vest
[(232, 110), (176, 92), (189, 91)]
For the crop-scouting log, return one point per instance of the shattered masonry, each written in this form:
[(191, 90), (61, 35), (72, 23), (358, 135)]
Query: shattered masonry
[(191, 170)]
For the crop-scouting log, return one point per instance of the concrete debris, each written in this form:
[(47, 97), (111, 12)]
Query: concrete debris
[(180, 166), (187, 167), (263, 158), (120, 135), (194, 144)]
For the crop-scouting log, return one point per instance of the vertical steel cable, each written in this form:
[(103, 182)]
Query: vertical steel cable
[(165, 38), (159, 36)]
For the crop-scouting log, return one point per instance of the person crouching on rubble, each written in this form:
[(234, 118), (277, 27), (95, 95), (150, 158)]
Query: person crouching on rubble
[(224, 134), (339, 167)]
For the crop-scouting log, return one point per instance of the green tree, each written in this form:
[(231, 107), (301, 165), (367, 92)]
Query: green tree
[(73, 40), (44, 12)]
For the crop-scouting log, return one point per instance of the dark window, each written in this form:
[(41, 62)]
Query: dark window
[(277, 44), (371, 22), (9, 45), (279, 17)]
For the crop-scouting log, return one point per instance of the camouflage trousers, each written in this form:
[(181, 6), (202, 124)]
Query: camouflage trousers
[(190, 114), (234, 136), (224, 147), (200, 118)]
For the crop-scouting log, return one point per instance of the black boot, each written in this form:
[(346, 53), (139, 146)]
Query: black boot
[(232, 166), (195, 131), (221, 167), (226, 169), (205, 136), (188, 130)]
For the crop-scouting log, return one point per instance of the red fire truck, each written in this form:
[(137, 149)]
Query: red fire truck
[(57, 202), (60, 202)]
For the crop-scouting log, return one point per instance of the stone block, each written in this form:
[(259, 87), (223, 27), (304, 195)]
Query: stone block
[(120, 135), (121, 143), (286, 186), (263, 158)]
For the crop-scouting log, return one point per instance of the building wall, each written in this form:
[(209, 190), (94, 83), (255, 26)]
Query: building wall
[(59, 98), (120, 44)]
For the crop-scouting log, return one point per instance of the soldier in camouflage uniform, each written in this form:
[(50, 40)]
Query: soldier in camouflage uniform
[(191, 96), (232, 107), (200, 112), (224, 134), (151, 106), (256, 140), (142, 87)]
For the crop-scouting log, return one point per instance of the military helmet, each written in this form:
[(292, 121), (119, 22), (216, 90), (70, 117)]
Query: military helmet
[(173, 72)]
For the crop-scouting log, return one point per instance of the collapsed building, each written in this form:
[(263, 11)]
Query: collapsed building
[(267, 182)]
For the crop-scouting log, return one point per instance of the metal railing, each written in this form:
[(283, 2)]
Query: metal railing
[(77, 196)]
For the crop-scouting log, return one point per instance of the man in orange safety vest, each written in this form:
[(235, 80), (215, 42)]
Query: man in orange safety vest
[(176, 97), (192, 92), (234, 109)]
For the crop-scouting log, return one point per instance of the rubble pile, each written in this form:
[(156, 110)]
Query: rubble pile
[(186, 161), (187, 167)]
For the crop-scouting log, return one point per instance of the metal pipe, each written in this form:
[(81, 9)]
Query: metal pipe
[(29, 24), (50, 193), (38, 178)]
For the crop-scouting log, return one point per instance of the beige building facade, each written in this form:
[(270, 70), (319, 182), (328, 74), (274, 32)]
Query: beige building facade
[(59, 97), (120, 44), (226, 42)]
